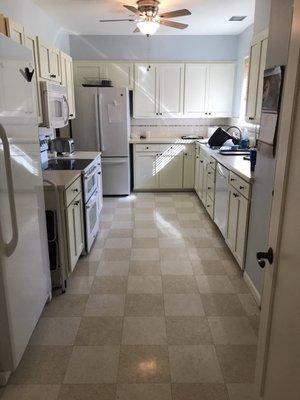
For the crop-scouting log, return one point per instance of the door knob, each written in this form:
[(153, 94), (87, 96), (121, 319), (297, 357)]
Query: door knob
[(263, 256)]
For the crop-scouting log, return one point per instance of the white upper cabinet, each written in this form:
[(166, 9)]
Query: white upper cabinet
[(67, 81), (258, 53), (120, 73), (220, 90), (145, 103), (14, 31), (171, 89), (195, 89), (49, 61)]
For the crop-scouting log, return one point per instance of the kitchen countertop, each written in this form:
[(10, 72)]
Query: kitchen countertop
[(62, 179), (80, 155), (236, 164), (162, 141)]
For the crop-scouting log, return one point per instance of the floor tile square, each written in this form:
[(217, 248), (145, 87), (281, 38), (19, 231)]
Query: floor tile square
[(115, 254), (249, 304), (55, 331), (102, 391), (222, 304), (231, 330), (241, 391), (238, 283), (144, 330), (188, 330), (118, 243), (144, 305), (173, 254), (214, 284), (144, 243), (68, 305), (97, 331), (30, 392), (194, 364), (145, 233), (144, 391), (145, 254), (144, 284), (93, 364), (203, 253), (42, 365), (176, 267), (208, 267), (79, 284), (145, 268), (110, 268), (105, 305), (148, 364), (120, 233), (179, 284), (109, 285), (237, 362), (84, 268), (183, 305), (167, 243), (199, 391)]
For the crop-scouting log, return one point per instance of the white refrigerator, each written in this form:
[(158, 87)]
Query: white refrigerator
[(102, 123), (24, 263)]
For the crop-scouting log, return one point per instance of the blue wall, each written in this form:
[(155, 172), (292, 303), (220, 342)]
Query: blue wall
[(156, 48)]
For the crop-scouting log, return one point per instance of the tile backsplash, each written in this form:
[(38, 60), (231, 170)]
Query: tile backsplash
[(173, 128)]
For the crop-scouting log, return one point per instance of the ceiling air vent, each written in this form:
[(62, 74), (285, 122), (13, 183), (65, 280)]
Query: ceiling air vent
[(237, 18)]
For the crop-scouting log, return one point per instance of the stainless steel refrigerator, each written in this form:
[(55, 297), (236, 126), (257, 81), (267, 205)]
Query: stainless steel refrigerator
[(24, 263), (102, 123)]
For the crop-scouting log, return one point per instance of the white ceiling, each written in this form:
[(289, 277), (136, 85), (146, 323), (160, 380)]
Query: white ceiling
[(209, 17)]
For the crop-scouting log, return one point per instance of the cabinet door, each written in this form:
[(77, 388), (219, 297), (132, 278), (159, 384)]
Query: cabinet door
[(145, 101), (54, 60), (262, 65), (241, 231), (195, 89), (189, 167), (145, 173), (220, 90), (75, 230), (253, 82), (67, 80), (170, 170), (121, 74), (44, 59), (171, 89), (88, 72), (232, 222), (197, 166), (31, 43), (14, 31)]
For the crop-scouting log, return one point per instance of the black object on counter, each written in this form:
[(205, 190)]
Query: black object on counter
[(219, 137), (253, 154)]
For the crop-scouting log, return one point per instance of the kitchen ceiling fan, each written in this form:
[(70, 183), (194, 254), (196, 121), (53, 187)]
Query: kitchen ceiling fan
[(149, 19)]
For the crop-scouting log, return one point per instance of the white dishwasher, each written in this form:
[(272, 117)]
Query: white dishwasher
[(221, 198)]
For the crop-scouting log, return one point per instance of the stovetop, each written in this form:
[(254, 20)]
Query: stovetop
[(65, 165)]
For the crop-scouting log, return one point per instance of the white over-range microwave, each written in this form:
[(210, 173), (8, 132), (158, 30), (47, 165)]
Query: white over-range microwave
[(55, 105)]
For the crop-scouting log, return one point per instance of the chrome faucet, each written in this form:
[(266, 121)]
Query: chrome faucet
[(235, 127)]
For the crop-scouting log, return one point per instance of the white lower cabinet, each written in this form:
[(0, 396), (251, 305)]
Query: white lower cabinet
[(145, 175), (169, 169), (189, 167), (237, 224), (75, 230)]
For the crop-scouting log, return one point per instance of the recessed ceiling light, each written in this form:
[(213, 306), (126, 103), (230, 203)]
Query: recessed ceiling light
[(237, 18)]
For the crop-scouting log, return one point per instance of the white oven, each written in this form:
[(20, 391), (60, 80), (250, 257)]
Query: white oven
[(91, 220), (55, 105), (90, 181)]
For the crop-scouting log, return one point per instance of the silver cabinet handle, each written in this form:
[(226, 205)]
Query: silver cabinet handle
[(10, 246)]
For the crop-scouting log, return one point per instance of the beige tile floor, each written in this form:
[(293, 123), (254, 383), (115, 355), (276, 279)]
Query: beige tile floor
[(157, 311)]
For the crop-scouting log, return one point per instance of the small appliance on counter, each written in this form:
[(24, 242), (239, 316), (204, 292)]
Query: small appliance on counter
[(62, 146), (219, 137)]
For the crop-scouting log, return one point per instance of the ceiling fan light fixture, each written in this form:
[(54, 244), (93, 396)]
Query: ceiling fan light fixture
[(148, 27)]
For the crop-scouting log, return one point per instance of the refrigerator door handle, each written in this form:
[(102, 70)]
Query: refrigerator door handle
[(100, 122), (10, 246), (97, 122), (68, 110)]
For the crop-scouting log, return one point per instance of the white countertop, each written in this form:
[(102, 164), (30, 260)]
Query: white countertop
[(62, 179), (80, 155), (162, 141), (236, 164)]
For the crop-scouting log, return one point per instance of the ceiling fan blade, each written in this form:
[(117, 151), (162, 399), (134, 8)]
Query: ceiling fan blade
[(177, 13), (116, 20), (173, 24), (132, 9), (137, 30)]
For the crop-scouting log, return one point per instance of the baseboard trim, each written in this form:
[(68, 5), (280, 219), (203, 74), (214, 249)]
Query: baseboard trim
[(252, 288)]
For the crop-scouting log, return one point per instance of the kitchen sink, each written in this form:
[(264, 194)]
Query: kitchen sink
[(237, 152)]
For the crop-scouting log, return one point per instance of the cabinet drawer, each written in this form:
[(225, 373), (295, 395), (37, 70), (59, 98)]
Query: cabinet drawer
[(239, 184), (209, 205), (147, 147), (212, 162), (210, 172), (210, 188), (73, 190)]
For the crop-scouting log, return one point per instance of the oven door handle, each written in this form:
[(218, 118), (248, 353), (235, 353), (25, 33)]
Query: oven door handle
[(87, 176), (68, 108)]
